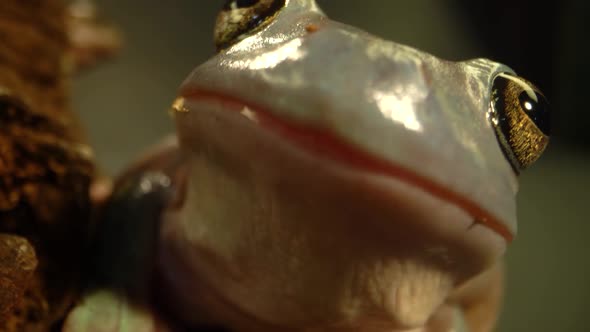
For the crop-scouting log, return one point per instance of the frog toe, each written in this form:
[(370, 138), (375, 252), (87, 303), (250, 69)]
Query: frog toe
[(106, 311)]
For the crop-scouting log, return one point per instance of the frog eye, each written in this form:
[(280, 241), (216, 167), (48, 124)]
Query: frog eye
[(520, 116), (239, 18)]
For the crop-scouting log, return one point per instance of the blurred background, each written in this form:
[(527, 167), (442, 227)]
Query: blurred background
[(123, 106)]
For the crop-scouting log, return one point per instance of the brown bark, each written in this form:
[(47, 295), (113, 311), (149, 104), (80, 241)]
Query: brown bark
[(45, 169)]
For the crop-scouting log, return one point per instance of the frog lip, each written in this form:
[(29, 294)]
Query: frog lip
[(321, 141)]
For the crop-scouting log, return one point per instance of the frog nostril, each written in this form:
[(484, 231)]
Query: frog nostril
[(311, 28)]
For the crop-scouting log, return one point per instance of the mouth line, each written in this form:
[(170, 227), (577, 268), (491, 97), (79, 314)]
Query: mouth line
[(322, 143)]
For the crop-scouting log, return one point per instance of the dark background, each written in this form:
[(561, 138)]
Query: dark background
[(123, 105)]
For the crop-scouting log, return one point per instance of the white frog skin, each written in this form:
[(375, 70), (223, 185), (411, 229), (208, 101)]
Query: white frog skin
[(288, 226), (337, 182)]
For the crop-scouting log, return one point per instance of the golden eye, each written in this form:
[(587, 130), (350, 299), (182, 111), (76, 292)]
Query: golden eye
[(520, 116), (239, 18)]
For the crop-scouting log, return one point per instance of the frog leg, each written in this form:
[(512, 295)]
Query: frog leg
[(120, 278), (473, 307), (480, 299), (108, 311)]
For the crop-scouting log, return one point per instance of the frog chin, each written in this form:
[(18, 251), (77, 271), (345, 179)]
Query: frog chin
[(271, 235), (268, 261)]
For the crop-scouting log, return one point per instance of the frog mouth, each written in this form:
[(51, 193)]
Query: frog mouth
[(323, 143)]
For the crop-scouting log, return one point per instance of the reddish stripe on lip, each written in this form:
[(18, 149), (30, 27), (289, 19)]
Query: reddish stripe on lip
[(324, 143)]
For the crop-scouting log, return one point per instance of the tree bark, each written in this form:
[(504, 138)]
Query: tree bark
[(45, 169)]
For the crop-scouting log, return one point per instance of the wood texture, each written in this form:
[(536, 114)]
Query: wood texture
[(45, 169)]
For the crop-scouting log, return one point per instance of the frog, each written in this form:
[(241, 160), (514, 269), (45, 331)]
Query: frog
[(320, 178)]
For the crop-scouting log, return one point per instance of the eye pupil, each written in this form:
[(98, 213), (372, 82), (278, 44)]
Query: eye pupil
[(537, 111), (242, 17), (246, 3), (240, 4)]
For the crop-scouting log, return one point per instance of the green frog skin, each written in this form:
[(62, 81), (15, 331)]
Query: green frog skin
[(335, 181)]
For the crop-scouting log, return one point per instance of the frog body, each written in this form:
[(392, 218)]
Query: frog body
[(336, 181)]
